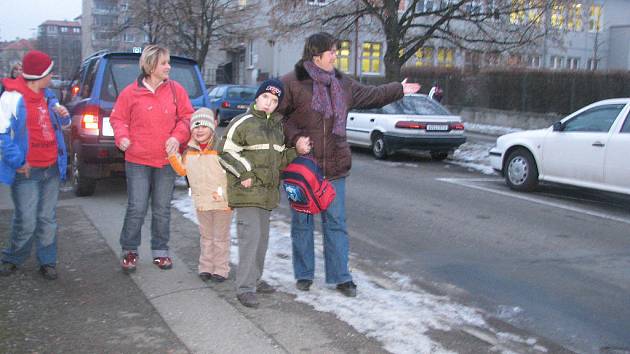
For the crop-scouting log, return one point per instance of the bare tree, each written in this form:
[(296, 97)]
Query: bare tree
[(196, 25), (408, 25), (147, 16)]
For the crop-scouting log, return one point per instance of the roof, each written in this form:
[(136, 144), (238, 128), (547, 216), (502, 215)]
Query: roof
[(61, 23), (20, 44)]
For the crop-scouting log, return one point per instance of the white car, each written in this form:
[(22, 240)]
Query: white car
[(415, 122), (589, 148)]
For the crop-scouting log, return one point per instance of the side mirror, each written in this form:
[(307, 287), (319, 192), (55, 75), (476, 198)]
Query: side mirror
[(558, 127)]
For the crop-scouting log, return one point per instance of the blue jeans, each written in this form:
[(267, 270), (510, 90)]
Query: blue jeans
[(144, 183), (335, 240), (34, 218)]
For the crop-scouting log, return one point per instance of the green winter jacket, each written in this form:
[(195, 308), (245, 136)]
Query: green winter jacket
[(253, 146)]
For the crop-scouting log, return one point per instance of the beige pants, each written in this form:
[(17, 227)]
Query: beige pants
[(214, 226)]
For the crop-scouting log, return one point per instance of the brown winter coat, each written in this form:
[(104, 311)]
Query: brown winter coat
[(331, 152)]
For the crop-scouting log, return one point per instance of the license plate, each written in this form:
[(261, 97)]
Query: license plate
[(437, 127), (107, 127), (241, 106)]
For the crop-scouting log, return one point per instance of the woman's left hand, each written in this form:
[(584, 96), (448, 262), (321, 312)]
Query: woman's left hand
[(410, 87), (171, 146)]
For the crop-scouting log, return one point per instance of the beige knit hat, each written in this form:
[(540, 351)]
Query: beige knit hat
[(202, 117)]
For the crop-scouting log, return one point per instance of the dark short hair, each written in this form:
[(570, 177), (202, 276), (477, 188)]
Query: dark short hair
[(316, 44)]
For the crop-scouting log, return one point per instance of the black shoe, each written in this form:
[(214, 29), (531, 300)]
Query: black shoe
[(248, 299), (48, 272), (264, 288), (304, 284), (205, 276), (218, 278), (7, 269), (348, 288)]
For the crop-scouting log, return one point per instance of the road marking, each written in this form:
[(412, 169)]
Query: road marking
[(465, 182)]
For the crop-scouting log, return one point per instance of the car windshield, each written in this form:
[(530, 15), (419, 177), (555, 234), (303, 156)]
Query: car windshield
[(241, 92), (419, 105), (123, 71)]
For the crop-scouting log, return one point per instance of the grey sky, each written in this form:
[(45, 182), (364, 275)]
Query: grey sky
[(20, 18)]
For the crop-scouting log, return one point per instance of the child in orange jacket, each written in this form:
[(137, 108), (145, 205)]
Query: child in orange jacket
[(208, 184)]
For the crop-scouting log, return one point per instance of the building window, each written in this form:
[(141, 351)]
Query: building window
[(557, 16), (124, 6), (514, 59), (242, 3), (63, 29), (574, 20), (128, 37), (446, 57), (343, 56), (595, 18), (573, 63), (76, 30), (517, 14), (535, 61), (425, 6), (474, 7), (424, 56), (555, 62), (317, 2), (51, 29), (593, 64), (492, 59), (371, 58)]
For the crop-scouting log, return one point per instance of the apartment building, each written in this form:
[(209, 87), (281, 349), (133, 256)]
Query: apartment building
[(593, 35), (62, 41), (103, 27)]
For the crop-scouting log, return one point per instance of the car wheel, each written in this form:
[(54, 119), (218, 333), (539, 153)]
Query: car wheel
[(521, 172), (81, 186), (379, 147), (439, 155)]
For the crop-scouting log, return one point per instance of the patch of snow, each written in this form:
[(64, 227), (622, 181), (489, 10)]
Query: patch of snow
[(399, 318)]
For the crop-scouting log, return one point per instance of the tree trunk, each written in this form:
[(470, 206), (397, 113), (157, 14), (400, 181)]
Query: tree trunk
[(392, 66)]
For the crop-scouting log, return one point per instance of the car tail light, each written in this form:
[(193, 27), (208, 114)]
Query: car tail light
[(89, 120), (225, 104), (410, 125), (456, 126)]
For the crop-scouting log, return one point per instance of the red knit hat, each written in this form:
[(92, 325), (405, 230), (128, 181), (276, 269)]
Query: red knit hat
[(36, 65)]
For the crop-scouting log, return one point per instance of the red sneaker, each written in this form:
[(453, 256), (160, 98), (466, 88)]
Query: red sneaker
[(163, 262), (129, 261)]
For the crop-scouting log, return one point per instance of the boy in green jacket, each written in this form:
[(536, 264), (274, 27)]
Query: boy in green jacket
[(252, 150)]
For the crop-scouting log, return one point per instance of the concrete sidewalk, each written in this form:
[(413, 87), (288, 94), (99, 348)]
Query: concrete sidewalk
[(94, 307)]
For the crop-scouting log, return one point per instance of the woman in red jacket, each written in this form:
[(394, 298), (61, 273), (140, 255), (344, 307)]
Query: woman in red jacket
[(151, 118)]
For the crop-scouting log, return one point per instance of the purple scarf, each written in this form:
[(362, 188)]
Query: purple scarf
[(321, 99)]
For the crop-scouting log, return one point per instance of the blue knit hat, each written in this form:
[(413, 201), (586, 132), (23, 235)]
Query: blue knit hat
[(274, 87)]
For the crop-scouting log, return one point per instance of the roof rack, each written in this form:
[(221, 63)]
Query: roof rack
[(97, 53)]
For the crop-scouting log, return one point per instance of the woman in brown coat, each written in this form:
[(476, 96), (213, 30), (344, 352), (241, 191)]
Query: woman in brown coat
[(317, 101)]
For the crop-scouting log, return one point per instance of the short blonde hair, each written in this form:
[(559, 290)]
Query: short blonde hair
[(150, 57)]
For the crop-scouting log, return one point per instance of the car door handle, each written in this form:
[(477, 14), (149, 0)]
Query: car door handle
[(598, 144), (372, 120), (351, 118)]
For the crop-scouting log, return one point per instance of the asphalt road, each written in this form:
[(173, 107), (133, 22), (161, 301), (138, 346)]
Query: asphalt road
[(555, 262)]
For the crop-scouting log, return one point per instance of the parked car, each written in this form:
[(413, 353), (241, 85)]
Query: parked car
[(588, 148), (228, 101), (90, 99), (415, 122)]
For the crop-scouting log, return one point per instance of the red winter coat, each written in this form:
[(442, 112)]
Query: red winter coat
[(148, 119)]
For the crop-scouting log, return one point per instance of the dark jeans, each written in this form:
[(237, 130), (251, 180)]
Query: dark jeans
[(34, 218), (336, 245), (144, 183)]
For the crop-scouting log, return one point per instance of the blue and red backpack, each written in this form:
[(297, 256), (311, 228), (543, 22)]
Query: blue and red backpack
[(308, 191)]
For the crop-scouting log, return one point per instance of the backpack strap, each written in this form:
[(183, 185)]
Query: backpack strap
[(170, 84)]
